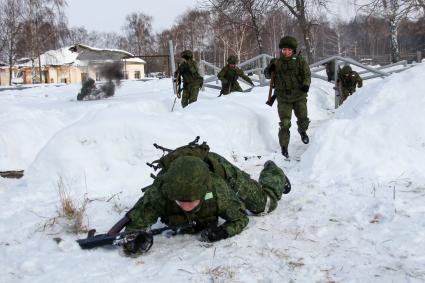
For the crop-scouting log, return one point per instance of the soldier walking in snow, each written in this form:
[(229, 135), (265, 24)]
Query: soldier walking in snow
[(199, 186), (192, 81), (330, 70), (229, 77), (292, 79), (347, 82)]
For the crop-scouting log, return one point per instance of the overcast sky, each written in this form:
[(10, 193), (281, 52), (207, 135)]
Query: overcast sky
[(109, 16)]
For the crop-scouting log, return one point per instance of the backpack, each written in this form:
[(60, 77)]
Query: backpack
[(202, 151), (169, 155)]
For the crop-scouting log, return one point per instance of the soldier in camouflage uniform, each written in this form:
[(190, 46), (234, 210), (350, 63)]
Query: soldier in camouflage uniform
[(229, 76), (347, 82), (291, 84), (200, 190), (330, 70), (192, 81)]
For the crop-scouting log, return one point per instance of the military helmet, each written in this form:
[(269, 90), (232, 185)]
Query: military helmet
[(288, 42), (187, 179), (346, 69), (232, 59), (187, 54)]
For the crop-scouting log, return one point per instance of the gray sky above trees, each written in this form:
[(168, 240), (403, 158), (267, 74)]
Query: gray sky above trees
[(109, 16)]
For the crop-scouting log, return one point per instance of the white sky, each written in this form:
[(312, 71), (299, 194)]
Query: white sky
[(109, 16)]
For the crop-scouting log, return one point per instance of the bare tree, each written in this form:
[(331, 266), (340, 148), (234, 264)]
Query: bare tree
[(278, 23), (194, 26), (421, 5), (192, 30), (231, 37), (236, 11), (138, 29), (11, 23), (394, 11), (43, 28), (305, 13)]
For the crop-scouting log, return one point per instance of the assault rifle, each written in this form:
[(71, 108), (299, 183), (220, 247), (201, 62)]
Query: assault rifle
[(141, 240), (177, 81), (179, 88), (271, 98)]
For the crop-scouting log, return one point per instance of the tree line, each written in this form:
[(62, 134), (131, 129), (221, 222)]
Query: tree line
[(218, 28)]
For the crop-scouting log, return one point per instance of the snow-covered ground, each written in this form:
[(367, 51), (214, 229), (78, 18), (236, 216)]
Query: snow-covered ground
[(355, 213)]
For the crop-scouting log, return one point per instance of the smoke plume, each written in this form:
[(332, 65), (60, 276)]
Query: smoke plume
[(111, 72)]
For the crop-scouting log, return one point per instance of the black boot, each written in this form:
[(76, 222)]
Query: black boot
[(304, 137), (287, 187), (285, 151)]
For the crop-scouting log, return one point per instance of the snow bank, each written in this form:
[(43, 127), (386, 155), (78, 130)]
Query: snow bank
[(340, 223), (377, 135)]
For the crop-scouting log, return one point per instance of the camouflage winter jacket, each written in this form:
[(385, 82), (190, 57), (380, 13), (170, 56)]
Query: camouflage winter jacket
[(189, 71), (220, 201), (293, 76), (349, 80), (229, 78)]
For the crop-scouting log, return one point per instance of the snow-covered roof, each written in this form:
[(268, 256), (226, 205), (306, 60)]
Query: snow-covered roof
[(135, 60), (88, 53), (78, 55), (62, 56)]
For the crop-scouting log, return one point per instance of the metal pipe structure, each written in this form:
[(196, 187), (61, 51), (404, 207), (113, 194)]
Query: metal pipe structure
[(172, 63)]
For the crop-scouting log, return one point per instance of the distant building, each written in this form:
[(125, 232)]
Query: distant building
[(71, 65)]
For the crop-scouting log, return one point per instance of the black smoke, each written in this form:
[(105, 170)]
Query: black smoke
[(113, 73)]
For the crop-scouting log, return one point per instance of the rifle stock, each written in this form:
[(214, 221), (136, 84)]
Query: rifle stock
[(177, 82), (271, 98)]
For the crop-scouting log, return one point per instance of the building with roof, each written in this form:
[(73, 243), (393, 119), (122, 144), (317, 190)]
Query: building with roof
[(71, 65)]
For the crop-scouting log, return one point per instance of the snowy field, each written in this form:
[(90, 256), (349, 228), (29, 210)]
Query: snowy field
[(356, 211)]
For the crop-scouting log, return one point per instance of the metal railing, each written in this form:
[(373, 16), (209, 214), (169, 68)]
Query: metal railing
[(259, 63), (367, 73)]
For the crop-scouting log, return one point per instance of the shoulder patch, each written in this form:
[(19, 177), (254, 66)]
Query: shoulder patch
[(208, 196)]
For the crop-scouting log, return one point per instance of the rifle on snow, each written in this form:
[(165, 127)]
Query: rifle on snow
[(142, 239), (271, 98)]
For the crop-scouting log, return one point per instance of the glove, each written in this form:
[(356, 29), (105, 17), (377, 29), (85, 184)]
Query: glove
[(305, 88), (138, 243), (214, 234)]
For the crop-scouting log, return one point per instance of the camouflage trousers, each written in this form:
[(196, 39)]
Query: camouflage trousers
[(258, 197), (190, 94), (345, 93), (284, 110), (234, 87)]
